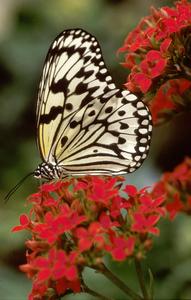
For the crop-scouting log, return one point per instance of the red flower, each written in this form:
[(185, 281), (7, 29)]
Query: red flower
[(58, 267), (164, 46), (175, 187), (54, 226), (51, 187), (24, 221), (76, 222), (182, 172), (174, 206), (122, 247), (38, 291), (149, 205), (145, 224), (164, 100), (156, 51), (89, 237), (139, 81), (63, 284), (161, 102), (155, 62), (106, 221), (101, 191), (132, 191)]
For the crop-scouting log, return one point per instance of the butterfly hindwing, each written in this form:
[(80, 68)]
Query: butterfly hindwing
[(85, 124), (110, 136)]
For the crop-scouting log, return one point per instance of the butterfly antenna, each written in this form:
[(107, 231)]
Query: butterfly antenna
[(11, 192)]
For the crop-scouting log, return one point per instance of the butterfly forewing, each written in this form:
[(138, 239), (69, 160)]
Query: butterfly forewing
[(85, 124), (74, 74)]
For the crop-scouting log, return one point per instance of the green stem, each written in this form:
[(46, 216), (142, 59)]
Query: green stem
[(141, 279), (120, 284), (87, 290)]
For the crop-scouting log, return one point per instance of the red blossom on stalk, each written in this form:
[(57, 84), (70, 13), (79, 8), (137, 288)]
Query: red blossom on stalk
[(176, 186), (76, 222), (121, 247), (92, 236), (145, 224), (157, 52), (24, 223)]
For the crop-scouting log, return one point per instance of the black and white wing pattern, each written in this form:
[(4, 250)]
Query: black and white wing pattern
[(85, 125)]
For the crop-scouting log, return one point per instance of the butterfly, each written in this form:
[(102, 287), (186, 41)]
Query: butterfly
[(85, 124)]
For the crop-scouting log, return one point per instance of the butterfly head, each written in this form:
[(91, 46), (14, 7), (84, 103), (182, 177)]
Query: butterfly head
[(47, 171)]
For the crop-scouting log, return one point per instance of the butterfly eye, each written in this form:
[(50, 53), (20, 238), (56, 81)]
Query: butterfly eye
[(37, 173), (85, 124)]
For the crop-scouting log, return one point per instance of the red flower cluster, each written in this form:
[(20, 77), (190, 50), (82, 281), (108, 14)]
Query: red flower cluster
[(170, 98), (157, 53), (74, 223), (176, 186)]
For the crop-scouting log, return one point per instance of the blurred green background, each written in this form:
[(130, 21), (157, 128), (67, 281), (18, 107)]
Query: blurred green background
[(26, 31)]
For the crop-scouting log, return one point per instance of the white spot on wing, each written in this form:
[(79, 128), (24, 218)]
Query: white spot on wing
[(74, 70), (125, 93), (131, 97), (68, 40), (103, 71), (65, 64), (142, 112), (111, 86), (143, 130)]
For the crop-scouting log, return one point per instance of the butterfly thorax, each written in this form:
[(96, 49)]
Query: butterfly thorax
[(48, 171)]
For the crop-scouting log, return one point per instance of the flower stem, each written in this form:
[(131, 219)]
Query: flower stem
[(120, 284), (141, 279), (87, 290)]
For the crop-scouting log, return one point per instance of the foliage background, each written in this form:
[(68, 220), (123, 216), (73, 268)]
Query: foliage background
[(26, 31)]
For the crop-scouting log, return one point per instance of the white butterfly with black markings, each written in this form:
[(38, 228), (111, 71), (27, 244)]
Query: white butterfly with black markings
[(85, 125)]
